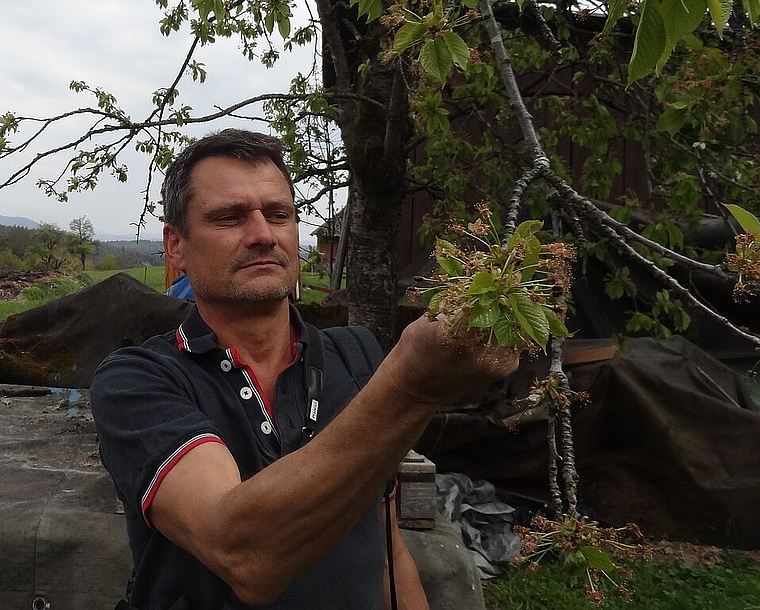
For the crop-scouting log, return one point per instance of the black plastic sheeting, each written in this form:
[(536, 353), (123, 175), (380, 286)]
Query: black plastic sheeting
[(63, 543), (669, 441)]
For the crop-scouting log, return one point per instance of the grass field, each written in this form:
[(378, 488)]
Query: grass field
[(732, 584)]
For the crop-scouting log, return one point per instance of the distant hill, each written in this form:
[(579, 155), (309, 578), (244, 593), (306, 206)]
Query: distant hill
[(19, 221), (130, 238)]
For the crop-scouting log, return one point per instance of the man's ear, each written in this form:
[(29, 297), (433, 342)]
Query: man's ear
[(173, 247)]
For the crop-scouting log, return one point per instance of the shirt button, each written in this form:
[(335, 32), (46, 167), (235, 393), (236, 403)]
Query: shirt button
[(226, 366), (246, 393), (266, 427)]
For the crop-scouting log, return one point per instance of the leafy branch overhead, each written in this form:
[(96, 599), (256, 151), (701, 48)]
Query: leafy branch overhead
[(440, 48), (662, 24)]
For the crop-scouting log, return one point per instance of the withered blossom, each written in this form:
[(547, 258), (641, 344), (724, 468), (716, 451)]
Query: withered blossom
[(483, 209), (479, 228)]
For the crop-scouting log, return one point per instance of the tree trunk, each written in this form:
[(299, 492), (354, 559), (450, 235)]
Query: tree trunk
[(372, 274), (374, 132)]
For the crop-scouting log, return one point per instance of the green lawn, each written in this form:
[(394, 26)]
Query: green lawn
[(733, 584), (310, 283)]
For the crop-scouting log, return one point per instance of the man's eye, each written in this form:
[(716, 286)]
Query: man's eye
[(279, 217)]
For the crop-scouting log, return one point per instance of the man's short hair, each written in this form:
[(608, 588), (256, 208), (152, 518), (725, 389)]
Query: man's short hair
[(177, 189)]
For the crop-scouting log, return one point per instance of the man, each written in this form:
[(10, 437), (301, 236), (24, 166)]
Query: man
[(229, 504)]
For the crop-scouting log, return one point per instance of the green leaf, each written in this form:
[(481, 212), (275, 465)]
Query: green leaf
[(750, 124), (675, 236), (556, 326), (525, 235), (435, 303), (616, 9), (435, 60), (531, 317), (504, 331), (407, 35), (460, 52), (672, 119), (445, 245), (371, 8), (450, 266), (438, 123), (484, 317), (527, 229), (752, 8), (269, 22), (747, 221), (598, 559), (720, 11), (649, 44), (482, 282), (679, 20), (204, 7), (283, 25)]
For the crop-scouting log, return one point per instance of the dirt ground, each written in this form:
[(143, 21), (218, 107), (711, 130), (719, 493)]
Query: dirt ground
[(694, 554)]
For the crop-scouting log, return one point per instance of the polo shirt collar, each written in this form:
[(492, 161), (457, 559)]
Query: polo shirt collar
[(196, 337)]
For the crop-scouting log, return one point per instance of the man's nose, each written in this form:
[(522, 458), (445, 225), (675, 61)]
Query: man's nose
[(258, 231)]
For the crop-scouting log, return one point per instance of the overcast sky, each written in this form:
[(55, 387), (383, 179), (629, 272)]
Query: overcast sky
[(115, 45)]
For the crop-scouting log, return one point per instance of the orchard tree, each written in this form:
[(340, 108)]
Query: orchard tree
[(16, 239), (81, 241), (48, 249)]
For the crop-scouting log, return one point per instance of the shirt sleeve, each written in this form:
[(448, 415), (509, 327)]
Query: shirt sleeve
[(146, 420)]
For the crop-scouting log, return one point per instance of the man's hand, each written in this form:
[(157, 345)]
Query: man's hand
[(434, 367)]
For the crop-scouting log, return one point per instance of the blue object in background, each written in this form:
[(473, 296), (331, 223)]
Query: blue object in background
[(181, 288)]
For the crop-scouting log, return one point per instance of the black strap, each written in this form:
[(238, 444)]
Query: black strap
[(314, 365), (389, 553)]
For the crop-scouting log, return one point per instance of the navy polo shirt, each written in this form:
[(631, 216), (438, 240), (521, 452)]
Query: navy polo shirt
[(154, 403)]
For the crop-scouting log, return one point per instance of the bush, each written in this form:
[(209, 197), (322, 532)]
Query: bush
[(84, 279), (9, 261), (35, 294), (110, 262)]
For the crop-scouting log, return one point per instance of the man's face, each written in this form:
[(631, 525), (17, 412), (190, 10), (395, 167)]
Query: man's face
[(242, 238)]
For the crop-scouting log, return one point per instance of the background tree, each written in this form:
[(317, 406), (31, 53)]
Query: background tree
[(48, 251), (81, 241), (315, 261)]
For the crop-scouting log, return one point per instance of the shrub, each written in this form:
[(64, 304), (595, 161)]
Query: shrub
[(110, 262), (9, 261)]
